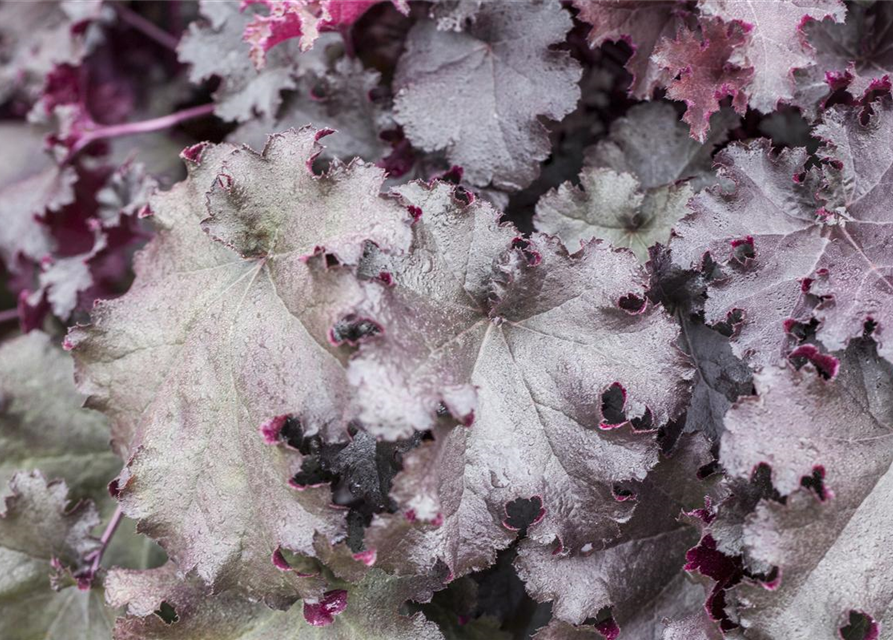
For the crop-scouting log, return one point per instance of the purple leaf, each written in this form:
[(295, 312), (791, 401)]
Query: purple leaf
[(777, 44), (230, 345), (478, 94), (473, 348)]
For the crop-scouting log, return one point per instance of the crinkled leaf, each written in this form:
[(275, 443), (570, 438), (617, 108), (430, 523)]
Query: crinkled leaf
[(215, 50), (642, 24), (854, 54), (478, 94), (635, 568), (831, 462), (854, 278), (360, 471), (787, 237), (611, 206), (371, 610), (702, 71), (229, 348), (467, 332), (38, 525), (776, 44), (337, 99), (765, 235), (93, 239), (125, 194), (62, 281), (454, 15), (42, 424), (629, 193)]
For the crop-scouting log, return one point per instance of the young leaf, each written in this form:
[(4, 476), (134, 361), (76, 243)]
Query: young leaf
[(630, 194), (213, 50), (610, 206), (651, 143), (478, 94), (702, 71), (231, 349), (337, 98)]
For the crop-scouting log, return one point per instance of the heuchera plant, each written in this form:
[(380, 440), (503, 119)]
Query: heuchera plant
[(402, 320)]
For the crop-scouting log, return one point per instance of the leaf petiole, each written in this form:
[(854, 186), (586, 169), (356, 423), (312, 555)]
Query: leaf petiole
[(110, 529), (104, 132)]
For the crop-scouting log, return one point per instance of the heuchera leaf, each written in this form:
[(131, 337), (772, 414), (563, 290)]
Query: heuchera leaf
[(785, 240), (29, 189), (478, 94), (640, 24), (473, 346), (368, 609), (776, 45), (303, 19), (42, 424), (610, 206), (854, 278), (765, 234), (651, 143), (454, 15), (853, 55), (235, 332), (830, 462), (41, 534), (637, 567), (37, 525), (36, 36), (337, 98), (213, 49), (629, 195), (91, 237), (702, 71), (697, 626)]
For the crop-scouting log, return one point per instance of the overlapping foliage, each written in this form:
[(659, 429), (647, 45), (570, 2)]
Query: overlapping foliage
[(358, 319)]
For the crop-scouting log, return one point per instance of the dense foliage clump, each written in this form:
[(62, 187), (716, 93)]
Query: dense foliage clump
[(373, 319)]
